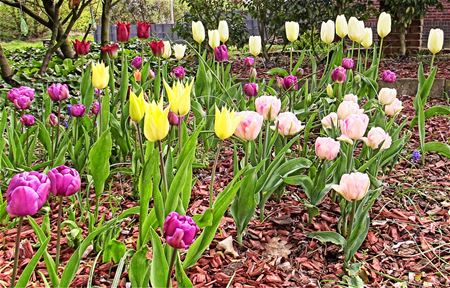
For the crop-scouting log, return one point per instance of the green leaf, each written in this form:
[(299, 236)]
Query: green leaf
[(99, 161), (29, 269), (160, 269), (205, 219), (441, 148), (438, 110), (328, 236), (139, 270), (278, 71), (182, 279), (114, 251)]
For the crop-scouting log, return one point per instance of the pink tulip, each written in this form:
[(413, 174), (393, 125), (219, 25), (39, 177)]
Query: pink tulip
[(250, 125), (353, 186), (22, 102), (95, 108), (351, 97), (339, 75), (394, 108), (251, 89), (174, 120), (347, 108), (179, 72), (330, 121), (180, 231), (53, 119), (377, 136), (268, 107), (348, 63), (353, 127), (249, 61), (388, 76), (65, 181), (27, 120), (327, 148), (288, 124), (58, 92)]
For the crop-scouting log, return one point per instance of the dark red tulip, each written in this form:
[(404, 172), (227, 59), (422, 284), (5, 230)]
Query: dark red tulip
[(157, 47), (123, 31), (112, 50), (143, 30), (81, 47)]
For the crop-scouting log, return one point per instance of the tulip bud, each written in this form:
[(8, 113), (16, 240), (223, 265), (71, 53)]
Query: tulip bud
[(253, 73), (300, 72), (348, 63), (251, 89), (347, 108), (137, 76), (327, 148), (95, 108), (64, 181), (179, 50), (250, 125), (367, 40), (387, 95), (179, 72), (53, 120), (151, 74), (384, 24), (329, 121), (341, 26), (357, 78), (288, 124), (353, 186), (249, 61), (394, 108), (137, 106), (223, 31), (167, 51), (77, 110), (339, 75), (330, 91), (213, 38), (173, 118), (435, 40), (198, 32), (292, 30), (137, 62), (327, 32), (254, 45), (27, 120), (179, 231), (268, 107), (290, 82)]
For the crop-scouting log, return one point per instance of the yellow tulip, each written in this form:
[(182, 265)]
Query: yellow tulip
[(384, 24), (198, 31), (327, 32), (137, 106), (341, 26), (254, 45), (225, 123), (156, 123), (179, 97), (179, 50), (435, 40), (213, 38), (292, 30), (100, 75), (330, 91), (355, 29), (167, 50), (223, 31), (367, 38)]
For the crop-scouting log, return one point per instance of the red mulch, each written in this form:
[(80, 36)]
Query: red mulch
[(409, 237)]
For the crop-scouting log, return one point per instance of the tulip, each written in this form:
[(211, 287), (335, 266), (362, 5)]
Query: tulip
[(137, 106), (377, 136), (353, 127), (300, 72), (330, 91), (394, 108), (388, 76), (348, 63), (95, 108), (221, 53), (367, 40), (22, 91), (64, 181), (179, 72), (179, 97), (22, 102), (288, 124), (179, 231), (167, 51), (213, 38), (353, 186), (77, 110), (341, 26), (249, 61), (137, 62), (156, 123), (327, 32), (198, 31), (226, 122), (290, 82), (143, 30), (179, 50), (268, 107), (351, 97), (355, 30), (123, 31), (58, 92), (339, 75), (223, 31), (137, 75), (327, 148), (151, 74), (254, 45), (53, 120), (292, 30), (157, 47), (27, 120), (173, 118), (251, 89), (253, 73), (435, 40), (111, 50), (26, 194), (387, 95), (81, 47), (330, 121), (384, 24), (100, 75), (249, 126)]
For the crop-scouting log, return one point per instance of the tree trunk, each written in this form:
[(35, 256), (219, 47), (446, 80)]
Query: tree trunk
[(67, 49), (5, 70), (106, 22), (402, 41)]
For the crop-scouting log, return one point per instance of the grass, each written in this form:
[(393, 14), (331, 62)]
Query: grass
[(35, 43)]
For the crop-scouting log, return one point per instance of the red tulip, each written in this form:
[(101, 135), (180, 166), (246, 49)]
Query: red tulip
[(157, 47), (81, 47), (111, 49), (143, 30), (123, 31)]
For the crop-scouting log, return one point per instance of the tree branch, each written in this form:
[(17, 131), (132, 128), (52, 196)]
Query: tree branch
[(28, 11)]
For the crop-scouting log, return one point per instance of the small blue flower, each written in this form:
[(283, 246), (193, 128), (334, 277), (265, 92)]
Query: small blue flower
[(65, 124), (416, 156)]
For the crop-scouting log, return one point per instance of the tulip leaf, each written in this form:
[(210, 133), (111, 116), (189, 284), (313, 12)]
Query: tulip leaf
[(328, 236), (29, 269), (441, 148), (114, 251), (99, 161), (159, 267), (182, 279), (205, 219), (139, 270)]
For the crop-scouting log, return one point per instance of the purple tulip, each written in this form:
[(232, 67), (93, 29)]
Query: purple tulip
[(27, 120), (221, 53), (27, 192), (348, 63), (53, 120), (339, 74), (179, 72), (77, 110), (98, 92), (251, 89), (249, 61), (151, 74), (290, 82), (174, 120), (137, 62), (22, 91), (58, 92), (95, 108), (388, 76), (64, 181), (179, 230), (22, 102)]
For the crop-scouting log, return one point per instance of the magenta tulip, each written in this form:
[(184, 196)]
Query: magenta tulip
[(221, 53), (137, 62), (58, 92), (27, 120), (249, 61), (180, 231), (22, 91), (388, 76), (290, 83), (179, 72), (251, 89), (174, 120), (339, 75), (77, 110), (95, 108), (64, 181), (348, 63), (53, 120)]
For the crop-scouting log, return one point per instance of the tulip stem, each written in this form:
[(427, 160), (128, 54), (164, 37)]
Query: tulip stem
[(16, 252), (58, 232), (432, 62), (171, 263), (380, 51), (141, 146), (162, 170), (180, 135), (352, 216), (26, 146), (57, 129), (213, 176), (291, 59), (365, 59), (247, 153)]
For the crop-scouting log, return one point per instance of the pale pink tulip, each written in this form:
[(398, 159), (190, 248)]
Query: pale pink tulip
[(347, 108), (329, 121), (377, 136), (268, 106), (353, 127), (250, 125), (288, 124), (327, 148), (351, 97), (353, 186), (393, 108)]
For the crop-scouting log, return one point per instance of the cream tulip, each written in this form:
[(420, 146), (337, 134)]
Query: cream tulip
[(167, 50), (387, 95), (341, 26), (384, 25), (367, 40), (292, 30), (329, 121), (179, 50), (327, 32), (394, 108), (347, 108), (254, 45), (435, 40), (355, 29), (223, 31), (198, 32), (213, 38)]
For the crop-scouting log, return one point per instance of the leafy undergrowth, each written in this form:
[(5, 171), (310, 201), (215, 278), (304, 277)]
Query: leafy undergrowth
[(408, 244)]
